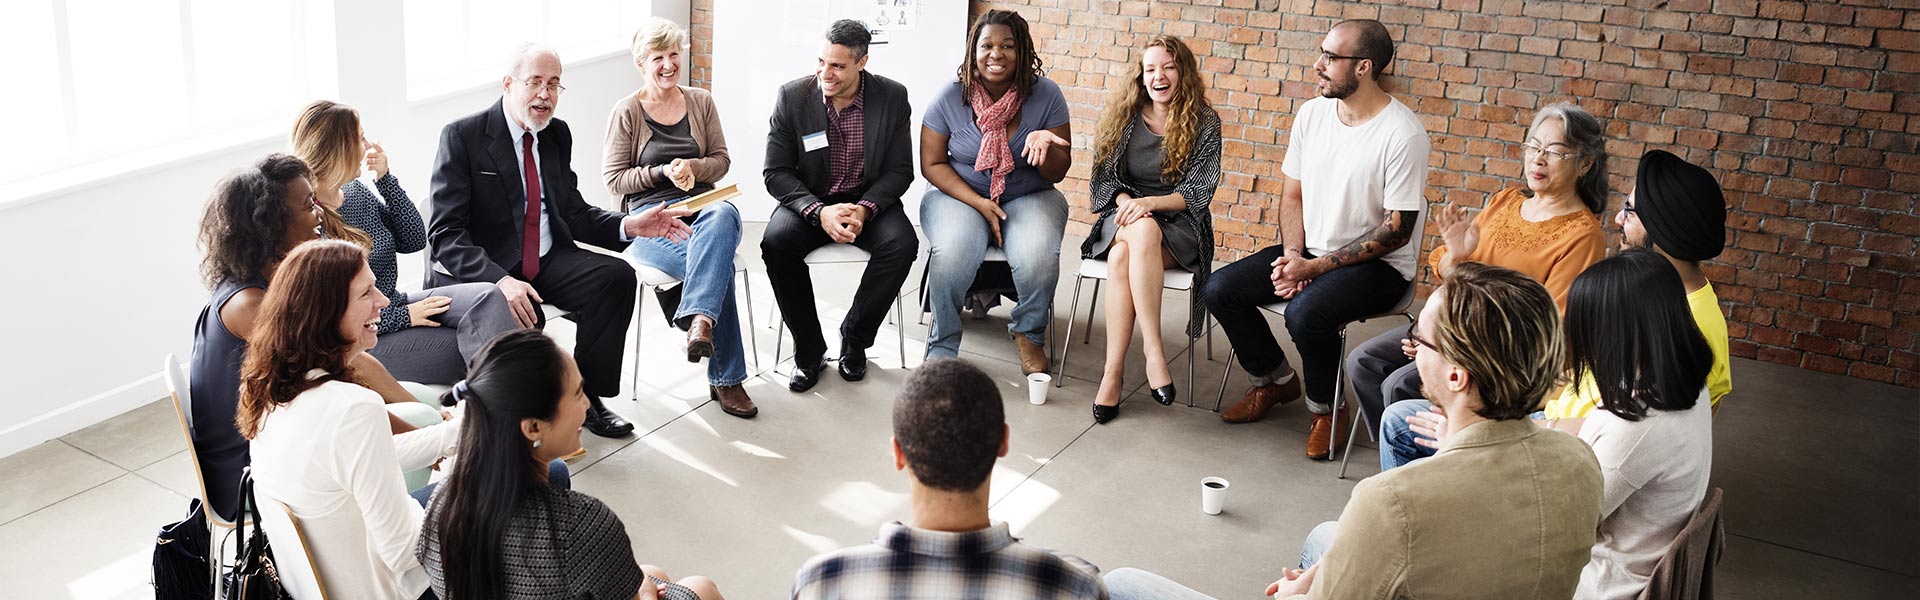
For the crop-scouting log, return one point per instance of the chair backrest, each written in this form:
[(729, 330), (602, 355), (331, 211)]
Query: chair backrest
[(182, 398), (299, 573), (1686, 572)]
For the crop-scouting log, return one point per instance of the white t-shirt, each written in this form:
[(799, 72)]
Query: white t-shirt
[(1656, 472), (1350, 176)]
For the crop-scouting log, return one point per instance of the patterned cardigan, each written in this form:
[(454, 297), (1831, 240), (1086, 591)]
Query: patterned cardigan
[(1202, 176)]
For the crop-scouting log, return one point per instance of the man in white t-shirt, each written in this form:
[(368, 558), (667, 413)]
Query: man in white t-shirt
[(1356, 171)]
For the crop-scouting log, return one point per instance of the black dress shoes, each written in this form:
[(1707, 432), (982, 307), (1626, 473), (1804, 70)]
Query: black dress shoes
[(605, 423), (804, 377), (853, 364), (1163, 394)]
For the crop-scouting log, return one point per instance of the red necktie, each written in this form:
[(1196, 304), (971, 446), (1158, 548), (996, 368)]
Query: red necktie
[(530, 240)]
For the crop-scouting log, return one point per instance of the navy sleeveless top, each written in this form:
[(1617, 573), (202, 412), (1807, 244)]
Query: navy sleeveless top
[(215, 384)]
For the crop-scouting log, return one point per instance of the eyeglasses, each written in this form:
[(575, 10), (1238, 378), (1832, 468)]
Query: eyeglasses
[(1413, 329), (1326, 56), (1628, 209), (1531, 150), (552, 88)]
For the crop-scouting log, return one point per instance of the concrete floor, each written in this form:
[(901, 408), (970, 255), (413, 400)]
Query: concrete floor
[(1822, 497)]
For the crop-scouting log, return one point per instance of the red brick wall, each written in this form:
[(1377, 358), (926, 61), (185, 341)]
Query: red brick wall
[(700, 32), (1809, 113)]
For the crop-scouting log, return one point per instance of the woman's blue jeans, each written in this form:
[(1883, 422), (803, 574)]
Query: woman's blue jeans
[(957, 241), (704, 263)]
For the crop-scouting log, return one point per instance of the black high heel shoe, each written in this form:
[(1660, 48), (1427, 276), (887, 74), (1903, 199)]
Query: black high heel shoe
[(1163, 394), (1102, 414)]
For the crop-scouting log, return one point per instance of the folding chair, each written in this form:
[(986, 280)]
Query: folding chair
[(655, 280), (841, 254), (292, 556), (217, 528), (1176, 279)]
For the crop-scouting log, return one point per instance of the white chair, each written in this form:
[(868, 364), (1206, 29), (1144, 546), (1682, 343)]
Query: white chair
[(840, 254), (994, 254), (292, 558), (218, 528), (1176, 279), (655, 280), (1340, 375)]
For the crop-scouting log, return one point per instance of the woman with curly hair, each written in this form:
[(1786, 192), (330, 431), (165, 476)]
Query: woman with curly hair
[(1158, 153), (318, 441)]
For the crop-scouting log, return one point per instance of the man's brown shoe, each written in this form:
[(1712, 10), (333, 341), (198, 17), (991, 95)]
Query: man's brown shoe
[(1325, 428), (734, 401), (699, 338), (1260, 399), (1033, 357)]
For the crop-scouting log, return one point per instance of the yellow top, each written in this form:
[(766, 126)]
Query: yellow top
[(1576, 403)]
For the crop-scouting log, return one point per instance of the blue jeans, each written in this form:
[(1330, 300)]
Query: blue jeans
[(1397, 447), (957, 240), (557, 476), (1318, 541), (704, 263), (1135, 584)]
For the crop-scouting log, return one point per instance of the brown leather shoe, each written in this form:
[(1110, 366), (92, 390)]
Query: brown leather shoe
[(699, 338), (1326, 428), (733, 400), (1033, 357), (1260, 399)]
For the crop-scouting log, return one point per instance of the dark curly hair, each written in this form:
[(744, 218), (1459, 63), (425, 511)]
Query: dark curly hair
[(243, 229), (949, 423), (1026, 63)]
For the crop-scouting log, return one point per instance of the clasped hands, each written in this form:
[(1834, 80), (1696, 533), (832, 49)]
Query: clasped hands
[(843, 222), (1292, 272)]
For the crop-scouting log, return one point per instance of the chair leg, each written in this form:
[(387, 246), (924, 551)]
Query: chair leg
[(1339, 375), (1060, 370), (926, 296), (779, 342), (639, 327), (746, 285), (900, 328), (1086, 337), (1190, 388), (1223, 383)]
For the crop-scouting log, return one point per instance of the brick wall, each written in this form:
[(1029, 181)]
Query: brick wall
[(700, 33), (1807, 112)]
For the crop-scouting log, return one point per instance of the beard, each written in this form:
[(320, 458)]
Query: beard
[(1336, 90), (532, 123)]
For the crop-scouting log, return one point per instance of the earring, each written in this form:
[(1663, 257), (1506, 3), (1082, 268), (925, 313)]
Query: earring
[(536, 443)]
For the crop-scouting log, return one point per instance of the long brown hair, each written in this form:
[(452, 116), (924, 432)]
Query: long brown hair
[(1183, 113), (1026, 61), (298, 329), (327, 136)]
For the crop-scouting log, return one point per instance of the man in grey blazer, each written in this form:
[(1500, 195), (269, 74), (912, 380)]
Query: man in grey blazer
[(838, 159)]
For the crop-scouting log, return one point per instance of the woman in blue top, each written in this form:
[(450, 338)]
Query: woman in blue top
[(993, 145), (425, 337)]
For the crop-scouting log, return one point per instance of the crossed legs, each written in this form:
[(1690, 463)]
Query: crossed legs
[(1136, 274)]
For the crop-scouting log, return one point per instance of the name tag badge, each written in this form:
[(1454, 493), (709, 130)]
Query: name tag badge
[(815, 141)]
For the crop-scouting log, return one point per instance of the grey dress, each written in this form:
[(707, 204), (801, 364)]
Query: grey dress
[(1187, 233)]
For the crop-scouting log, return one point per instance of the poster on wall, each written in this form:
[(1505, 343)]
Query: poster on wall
[(894, 15)]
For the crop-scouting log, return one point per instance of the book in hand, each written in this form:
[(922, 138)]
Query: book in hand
[(719, 194)]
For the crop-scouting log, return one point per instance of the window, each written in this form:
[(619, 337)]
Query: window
[(457, 44), (111, 79)]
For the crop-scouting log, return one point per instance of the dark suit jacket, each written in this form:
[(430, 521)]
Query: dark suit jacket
[(480, 200), (798, 178)]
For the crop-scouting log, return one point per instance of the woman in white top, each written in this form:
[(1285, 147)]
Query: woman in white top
[(321, 444), (1629, 328)]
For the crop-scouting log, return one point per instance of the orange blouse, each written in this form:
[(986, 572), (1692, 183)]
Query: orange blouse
[(1554, 251)]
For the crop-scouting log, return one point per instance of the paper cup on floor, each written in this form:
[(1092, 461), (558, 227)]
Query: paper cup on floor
[(1037, 385), (1213, 495)]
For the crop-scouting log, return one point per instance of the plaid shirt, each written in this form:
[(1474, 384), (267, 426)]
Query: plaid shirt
[(903, 562), (846, 150)]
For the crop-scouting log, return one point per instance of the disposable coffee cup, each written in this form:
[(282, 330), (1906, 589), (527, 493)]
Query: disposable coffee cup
[(1037, 385), (1213, 495)]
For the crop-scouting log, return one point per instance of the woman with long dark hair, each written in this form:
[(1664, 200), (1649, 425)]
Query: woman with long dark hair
[(425, 337), (1631, 334), (320, 441), (1158, 149), (992, 146), (498, 527)]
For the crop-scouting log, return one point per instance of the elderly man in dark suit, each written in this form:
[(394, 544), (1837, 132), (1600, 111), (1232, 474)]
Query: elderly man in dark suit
[(507, 210), (838, 159)]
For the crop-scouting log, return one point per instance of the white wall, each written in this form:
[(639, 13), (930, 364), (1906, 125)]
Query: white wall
[(101, 278)]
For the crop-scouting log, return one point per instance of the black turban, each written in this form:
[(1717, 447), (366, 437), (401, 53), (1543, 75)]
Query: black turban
[(1680, 206)]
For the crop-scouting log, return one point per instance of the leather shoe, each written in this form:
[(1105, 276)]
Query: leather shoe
[(733, 400), (804, 377), (1102, 413), (853, 364), (1260, 399), (1033, 357), (1163, 394), (699, 338), (1328, 432), (606, 423)]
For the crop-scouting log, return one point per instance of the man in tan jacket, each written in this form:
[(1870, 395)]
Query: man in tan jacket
[(1506, 509)]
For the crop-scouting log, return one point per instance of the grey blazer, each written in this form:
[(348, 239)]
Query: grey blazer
[(797, 178)]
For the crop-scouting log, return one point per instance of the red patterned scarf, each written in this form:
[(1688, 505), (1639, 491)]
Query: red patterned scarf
[(991, 116)]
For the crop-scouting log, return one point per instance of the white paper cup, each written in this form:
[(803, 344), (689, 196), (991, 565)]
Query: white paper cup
[(1037, 385), (1213, 495)]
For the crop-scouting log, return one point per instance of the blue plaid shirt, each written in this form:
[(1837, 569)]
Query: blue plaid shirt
[(903, 562)]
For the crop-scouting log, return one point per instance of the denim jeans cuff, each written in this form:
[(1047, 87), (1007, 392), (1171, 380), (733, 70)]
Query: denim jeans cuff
[(1280, 374), (688, 312)]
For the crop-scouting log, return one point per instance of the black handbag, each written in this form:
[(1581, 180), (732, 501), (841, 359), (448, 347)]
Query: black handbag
[(180, 570), (254, 576)]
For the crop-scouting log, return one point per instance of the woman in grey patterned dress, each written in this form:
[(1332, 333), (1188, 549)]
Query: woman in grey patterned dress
[(1158, 161), (495, 528)]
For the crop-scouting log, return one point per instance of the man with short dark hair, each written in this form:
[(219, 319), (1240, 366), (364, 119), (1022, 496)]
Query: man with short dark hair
[(948, 428), (838, 159)]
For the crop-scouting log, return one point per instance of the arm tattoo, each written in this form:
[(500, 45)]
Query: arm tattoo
[(1389, 236)]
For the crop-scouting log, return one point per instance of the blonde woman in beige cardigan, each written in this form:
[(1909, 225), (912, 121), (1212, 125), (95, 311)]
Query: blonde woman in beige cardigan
[(664, 144)]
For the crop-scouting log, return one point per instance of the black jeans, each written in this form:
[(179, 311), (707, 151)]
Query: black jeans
[(888, 236), (1315, 317)]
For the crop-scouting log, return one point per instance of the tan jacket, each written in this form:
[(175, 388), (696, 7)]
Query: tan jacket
[(627, 135), (1507, 510)]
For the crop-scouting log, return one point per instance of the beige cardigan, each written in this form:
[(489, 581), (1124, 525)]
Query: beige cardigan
[(627, 135)]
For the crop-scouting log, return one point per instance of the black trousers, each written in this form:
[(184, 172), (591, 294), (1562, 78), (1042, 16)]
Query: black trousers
[(887, 236), (599, 292), (1314, 317)]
